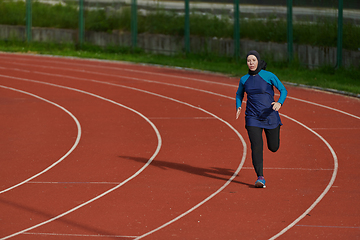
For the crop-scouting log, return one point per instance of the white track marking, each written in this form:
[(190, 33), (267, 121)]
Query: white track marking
[(168, 75), (191, 118), (108, 191), (63, 157), (296, 169), (124, 69), (297, 99), (79, 235), (322, 195), (200, 203), (296, 220), (154, 94), (107, 75), (166, 224), (319, 226), (324, 106), (341, 129), (110, 183), (186, 78), (204, 201)]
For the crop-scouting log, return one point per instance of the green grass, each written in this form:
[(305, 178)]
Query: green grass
[(325, 77), (322, 33)]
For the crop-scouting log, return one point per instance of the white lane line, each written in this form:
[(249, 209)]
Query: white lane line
[(110, 183), (79, 235), (181, 77), (108, 191), (116, 76), (298, 219), (319, 226), (296, 169), (123, 69), (232, 98), (63, 157), (341, 129), (322, 195), (243, 168), (289, 97), (191, 118), (168, 98), (165, 75), (324, 106), (107, 75), (297, 100)]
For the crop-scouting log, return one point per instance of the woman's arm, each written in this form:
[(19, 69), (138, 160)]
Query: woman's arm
[(283, 92), (238, 112), (239, 95)]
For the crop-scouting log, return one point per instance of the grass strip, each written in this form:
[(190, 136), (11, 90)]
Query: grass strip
[(322, 33), (325, 77)]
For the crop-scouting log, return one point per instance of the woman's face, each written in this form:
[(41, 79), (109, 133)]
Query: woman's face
[(252, 62)]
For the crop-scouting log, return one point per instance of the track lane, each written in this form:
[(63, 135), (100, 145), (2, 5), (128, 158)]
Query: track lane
[(8, 201), (22, 109), (295, 113)]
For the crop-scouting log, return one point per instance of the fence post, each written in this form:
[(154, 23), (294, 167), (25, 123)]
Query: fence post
[(290, 31), (187, 26), (81, 22), (28, 21), (340, 35), (134, 23), (236, 29)]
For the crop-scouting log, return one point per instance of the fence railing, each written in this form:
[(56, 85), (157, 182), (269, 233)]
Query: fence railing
[(187, 30)]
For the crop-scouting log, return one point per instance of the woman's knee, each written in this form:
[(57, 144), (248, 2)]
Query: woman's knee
[(273, 139), (273, 148)]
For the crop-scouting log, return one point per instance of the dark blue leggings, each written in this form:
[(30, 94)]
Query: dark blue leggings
[(256, 140)]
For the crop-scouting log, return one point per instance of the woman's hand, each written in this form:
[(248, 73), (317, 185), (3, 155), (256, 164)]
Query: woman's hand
[(276, 106), (238, 112)]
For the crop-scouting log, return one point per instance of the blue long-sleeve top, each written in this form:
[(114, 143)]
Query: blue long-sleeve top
[(260, 95)]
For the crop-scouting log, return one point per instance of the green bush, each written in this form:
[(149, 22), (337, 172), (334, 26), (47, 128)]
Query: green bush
[(322, 33), (325, 76), (56, 16), (12, 13)]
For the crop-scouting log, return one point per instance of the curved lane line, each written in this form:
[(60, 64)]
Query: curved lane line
[(161, 74), (110, 190), (198, 205), (324, 106), (63, 157), (297, 99), (301, 124), (195, 89), (312, 206), (322, 195), (121, 68), (158, 95)]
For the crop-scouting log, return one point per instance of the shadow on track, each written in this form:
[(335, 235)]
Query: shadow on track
[(205, 172)]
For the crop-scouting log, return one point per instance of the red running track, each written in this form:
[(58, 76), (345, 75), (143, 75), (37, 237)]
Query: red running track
[(108, 150)]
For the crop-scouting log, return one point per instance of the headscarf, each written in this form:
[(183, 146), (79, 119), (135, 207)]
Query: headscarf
[(261, 63)]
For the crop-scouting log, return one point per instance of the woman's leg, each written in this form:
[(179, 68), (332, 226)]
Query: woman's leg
[(256, 140), (273, 138)]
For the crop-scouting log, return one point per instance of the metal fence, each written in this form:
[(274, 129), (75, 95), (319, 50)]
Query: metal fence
[(260, 9)]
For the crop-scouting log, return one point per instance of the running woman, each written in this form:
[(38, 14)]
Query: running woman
[(261, 112)]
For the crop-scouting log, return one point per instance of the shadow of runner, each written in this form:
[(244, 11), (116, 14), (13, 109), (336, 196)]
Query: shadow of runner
[(205, 172)]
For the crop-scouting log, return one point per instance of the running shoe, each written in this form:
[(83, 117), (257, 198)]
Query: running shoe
[(260, 182)]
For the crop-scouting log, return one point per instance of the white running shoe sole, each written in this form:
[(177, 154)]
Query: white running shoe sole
[(259, 184)]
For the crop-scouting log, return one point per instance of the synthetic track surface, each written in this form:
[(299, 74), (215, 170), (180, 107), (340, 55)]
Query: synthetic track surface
[(101, 150)]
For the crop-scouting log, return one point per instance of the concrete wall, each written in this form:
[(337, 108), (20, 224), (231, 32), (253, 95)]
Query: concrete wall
[(164, 44)]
